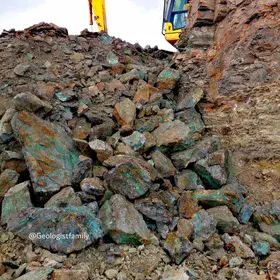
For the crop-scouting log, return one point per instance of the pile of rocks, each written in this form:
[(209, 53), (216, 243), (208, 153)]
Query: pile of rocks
[(95, 149)]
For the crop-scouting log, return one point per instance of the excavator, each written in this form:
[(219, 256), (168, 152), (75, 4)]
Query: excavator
[(175, 14)]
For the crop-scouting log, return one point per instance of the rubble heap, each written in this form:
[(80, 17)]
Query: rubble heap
[(95, 143)]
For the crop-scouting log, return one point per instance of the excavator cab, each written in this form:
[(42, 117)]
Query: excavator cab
[(174, 19)]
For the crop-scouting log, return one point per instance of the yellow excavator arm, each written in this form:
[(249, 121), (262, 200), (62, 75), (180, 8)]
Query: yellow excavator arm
[(174, 17), (98, 7)]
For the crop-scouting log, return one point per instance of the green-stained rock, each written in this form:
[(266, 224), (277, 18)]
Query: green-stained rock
[(167, 79), (63, 230), (37, 274), (187, 180), (192, 119), (177, 247), (17, 198), (49, 152), (8, 179), (129, 179), (112, 58), (135, 141), (227, 195), (190, 99), (123, 222), (192, 154)]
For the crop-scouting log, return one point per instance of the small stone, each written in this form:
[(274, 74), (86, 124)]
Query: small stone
[(111, 273), (123, 222), (77, 57), (175, 275), (137, 179), (66, 197), (102, 149), (204, 225), (177, 247), (135, 141), (163, 164), (235, 262), (185, 228), (261, 248), (274, 269), (198, 244), (125, 112), (93, 186)]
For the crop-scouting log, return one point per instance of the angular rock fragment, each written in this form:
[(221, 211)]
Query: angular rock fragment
[(163, 164), (37, 274), (226, 221), (66, 197), (185, 228), (129, 179), (177, 247), (135, 141), (31, 103), (102, 149), (93, 186), (192, 119), (228, 195), (50, 154), (268, 218), (190, 100), (63, 230), (204, 225), (154, 208), (123, 222), (70, 274), (192, 154), (125, 112), (82, 169), (175, 134), (274, 269), (261, 248), (168, 79), (245, 213), (17, 198), (187, 180), (187, 205), (8, 179), (235, 243), (6, 131)]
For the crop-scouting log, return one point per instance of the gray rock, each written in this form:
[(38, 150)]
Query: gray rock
[(163, 164), (93, 186), (66, 197), (129, 179), (204, 225), (82, 169), (135, 141), (226, 221), (38, 274), (123, 222)]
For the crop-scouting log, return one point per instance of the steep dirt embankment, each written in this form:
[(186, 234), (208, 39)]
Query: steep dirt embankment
[(231, 49)]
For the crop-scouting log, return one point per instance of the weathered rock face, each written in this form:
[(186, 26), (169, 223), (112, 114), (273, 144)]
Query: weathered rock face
[(123, 222), (230, 49), (49, 153)]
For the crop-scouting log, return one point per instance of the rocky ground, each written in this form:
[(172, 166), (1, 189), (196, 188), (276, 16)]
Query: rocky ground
[(107, 173)]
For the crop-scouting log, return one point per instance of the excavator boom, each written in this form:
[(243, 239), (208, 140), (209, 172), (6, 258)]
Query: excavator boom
[(98, 7)]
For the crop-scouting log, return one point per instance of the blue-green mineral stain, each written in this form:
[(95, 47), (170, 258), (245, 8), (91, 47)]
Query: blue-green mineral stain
[(261, 248)]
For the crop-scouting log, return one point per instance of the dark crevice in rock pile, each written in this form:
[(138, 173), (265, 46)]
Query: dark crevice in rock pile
[(95, 142)]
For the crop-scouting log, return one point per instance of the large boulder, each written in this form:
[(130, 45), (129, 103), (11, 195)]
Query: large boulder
[(49, 152), (63, 230), (123, 222)]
